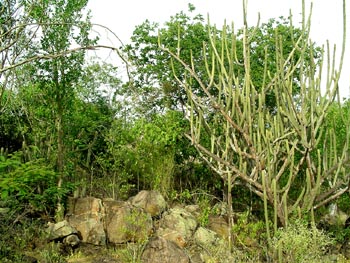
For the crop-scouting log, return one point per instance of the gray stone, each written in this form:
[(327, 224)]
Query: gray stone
[(60, 230), (172, 235), (335, 216), (177, 225), (161, 250), (86, 215), (151, 201), (71, 240), (205, 237), (124, 222)]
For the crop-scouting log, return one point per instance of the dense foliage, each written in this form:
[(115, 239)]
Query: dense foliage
[(70, 127), (187, 35)]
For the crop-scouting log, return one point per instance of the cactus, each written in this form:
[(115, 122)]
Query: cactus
[(268, 151)]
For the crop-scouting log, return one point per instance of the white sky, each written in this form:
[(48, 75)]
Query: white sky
[(122, 17)]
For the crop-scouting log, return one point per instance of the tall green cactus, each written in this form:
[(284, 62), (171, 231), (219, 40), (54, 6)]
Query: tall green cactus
[(274, 153)]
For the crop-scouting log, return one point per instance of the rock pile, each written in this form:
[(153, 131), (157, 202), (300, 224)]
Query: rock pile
[(144, 217)]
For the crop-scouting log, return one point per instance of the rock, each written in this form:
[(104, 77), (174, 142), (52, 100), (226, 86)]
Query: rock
[(209, 247), (95, 221), (181, 221), (205, 237), (124, 222), (161, 250), (151, 201), (60, 230), (86, 215), (172, 235), (219, 225), (89, 206), (194, 210), (71, 240), (334, 217)]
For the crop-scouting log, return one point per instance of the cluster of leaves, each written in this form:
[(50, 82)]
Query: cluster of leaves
[(32, 183), (187, 35), (11, 123), (144, 153), (153, 78), (298, 243), (248, 231)]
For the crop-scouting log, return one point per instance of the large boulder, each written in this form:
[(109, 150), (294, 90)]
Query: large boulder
[(60, 230), (161, 250), (86, 215), (179, 224), (194, 210), (205, 237), (63, 232), (172, 235), (151, 201), (124, 222)]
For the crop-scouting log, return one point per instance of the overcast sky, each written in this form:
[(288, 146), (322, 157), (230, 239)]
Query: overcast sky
[(122, 17)]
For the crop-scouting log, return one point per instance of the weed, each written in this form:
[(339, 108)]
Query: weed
[(132, 252), (246, 231), (52, 254), (299, 243)]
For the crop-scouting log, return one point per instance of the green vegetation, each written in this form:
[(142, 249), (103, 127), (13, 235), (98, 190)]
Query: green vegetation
[(209, 116), (280, 152), (298, 243)]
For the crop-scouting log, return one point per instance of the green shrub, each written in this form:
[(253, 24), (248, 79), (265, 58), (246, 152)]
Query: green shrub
[(248, 232), (299, 243), (32, 183), (142, 154), (17, 239), (220, 252)]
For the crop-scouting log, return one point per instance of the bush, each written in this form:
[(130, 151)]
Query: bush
[(17, 239), (247, 231), (299, 243), (31, 183)]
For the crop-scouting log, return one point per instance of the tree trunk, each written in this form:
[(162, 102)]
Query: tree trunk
[(59, 215)]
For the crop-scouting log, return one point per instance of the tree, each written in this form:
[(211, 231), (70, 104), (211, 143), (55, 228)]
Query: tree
[(44, 87), (91, 117), (269, 152), (62, 25), (184, 35), (13, 43), (264, 40), (152, 79), (21, 29), (27, 124)]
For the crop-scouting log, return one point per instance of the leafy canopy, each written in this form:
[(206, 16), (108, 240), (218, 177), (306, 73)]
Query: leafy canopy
[(187, 35)]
